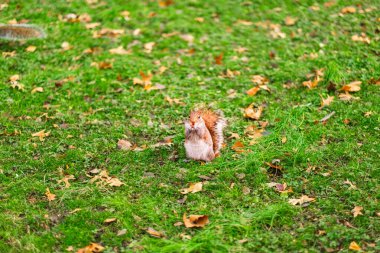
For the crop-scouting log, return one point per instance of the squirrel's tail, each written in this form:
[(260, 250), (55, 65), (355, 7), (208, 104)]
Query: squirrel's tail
[(21, 32), (220, 124)]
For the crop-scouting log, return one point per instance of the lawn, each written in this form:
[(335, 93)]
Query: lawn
[(301, 177)]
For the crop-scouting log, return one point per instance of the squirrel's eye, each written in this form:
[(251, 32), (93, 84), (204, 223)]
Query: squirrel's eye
[(199, 117)]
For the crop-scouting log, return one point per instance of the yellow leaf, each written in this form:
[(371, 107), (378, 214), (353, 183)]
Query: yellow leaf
[(37, 89), (149, 47), (109, 220), (154, 233), (354, 246), (252, 91), (41, 134), (50, 196), (304, 199), (193, 188), (198, 221), (120, 51), (31, 49), (352, 87), (347, 10)]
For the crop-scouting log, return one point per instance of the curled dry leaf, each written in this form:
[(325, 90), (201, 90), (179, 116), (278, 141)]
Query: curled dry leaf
[(41, 135), (120, 51), (31, 49), (124, 145), (193, 188), (354, 246), (104, 178), (303, 200), (352, 87), (238, 147), (50, 196), (252, 112), (312, 84), (348, 10), (66, 180), (37, 89), (361, 38), (290, 21), (326, 101), (198, 221), (92, 248), (347, 97), (357, 211), (253, 91), (219, 59), (148, 47), (110, 220), (154, 233)]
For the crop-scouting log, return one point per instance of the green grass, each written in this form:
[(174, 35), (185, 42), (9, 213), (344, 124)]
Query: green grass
[(99, 107)]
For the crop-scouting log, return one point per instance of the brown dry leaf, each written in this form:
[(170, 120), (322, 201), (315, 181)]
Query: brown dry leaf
[(92, 248), (106, 32), (219, 59), (41, 134), (260, 80), (354, 246), (66, 180), (352, 87), (198, 221), (312, 84), (66, 46), (303, 200), (124, 145), (352, 186), (14, 78), (104, 178), (347, 97), (193, 188), (238, 147), (246, 190), (31, 49), (37, 89), (290, 21), (329, 4), (326, 101), (165, 3), (92, 25), (109, 220), (347, 10), (120, 50), (199, 19), (102, 65), (8, 54), (244, 22), (50, 196), (357, 211), (252, 112), (253, 91), (125, 15), (361, 38), (154, 233), (113, 181), (162, 69), (148, 47), (173, 101), (284, 139), (188, 38), (145, 79)]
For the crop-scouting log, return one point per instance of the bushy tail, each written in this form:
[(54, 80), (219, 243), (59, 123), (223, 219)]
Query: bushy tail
[(21, 32), (220, 124)]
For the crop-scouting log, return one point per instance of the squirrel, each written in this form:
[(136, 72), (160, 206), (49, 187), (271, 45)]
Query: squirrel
[(204, 134), (21, 32)]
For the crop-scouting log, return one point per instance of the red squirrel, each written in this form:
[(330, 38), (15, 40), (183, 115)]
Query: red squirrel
[(21, 32), (204, 134)]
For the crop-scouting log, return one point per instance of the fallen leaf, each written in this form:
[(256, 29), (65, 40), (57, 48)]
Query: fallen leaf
[(149, 47), (121, 232), (92, 248), (219, 59), (103, 178), (176, 101), (41, 134), (244, 22), (177, 224), (348, 182), (352, 87), (361, 38), (37, 89), (66, 46), (154, 233), (66, 180), (193, 188), (357, 211), (246, 190), (165, 3), (303, 200), (50, 196), (289, 21), (326, 101), (253, 91), (354, 246), (92, 25), (109, 220), (31, 49), (348, 10), (252, 112), (238, 147), (284, 139), (120, 51), (198, 221), (199, 19), (312, 84), (125, 15), (189, 38), (260, 80), (347, 97), (106, 32), (124, 145), (8, 54), (113, 181)]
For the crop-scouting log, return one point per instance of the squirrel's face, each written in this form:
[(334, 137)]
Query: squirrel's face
[(195, 121)]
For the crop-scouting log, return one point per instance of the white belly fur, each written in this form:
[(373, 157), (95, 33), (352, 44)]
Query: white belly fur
[(198, 150)]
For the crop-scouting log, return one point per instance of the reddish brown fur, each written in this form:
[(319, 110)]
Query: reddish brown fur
[(210, 118)]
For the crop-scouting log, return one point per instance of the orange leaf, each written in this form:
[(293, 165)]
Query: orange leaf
[(92, 248), (219, 59), (238, 147), (352, 87), (109, 220), (253, 113), (50, 196), (252, 91), (154, 233), (198, 221), (193, 188), (165, 3), (357, 211), (326, 102), (354, 246)]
